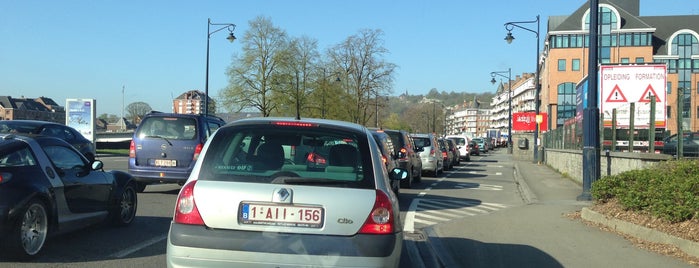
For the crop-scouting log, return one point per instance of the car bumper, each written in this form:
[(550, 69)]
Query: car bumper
[(198, 246), (159, 176)]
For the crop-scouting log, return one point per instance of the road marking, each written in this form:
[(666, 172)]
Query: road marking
[(137, 247), (487, 187)]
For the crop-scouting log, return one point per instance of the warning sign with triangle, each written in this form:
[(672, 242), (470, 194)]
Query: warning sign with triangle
[(648, 93), (616, 95)]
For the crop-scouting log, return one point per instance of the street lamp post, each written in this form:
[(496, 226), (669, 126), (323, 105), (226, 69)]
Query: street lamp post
[(324, 88), (509, 26), (509, 104), (231, 38)]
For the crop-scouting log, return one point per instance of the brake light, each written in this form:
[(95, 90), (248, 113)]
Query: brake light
[(380, 220), (293, 124), (403, 153), (384, 160), (444, 155), (132, 150), (197, 151), (432, 152), (316, 159), (186, 211)]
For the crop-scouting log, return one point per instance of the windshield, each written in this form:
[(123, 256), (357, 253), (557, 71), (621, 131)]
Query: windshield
[(291, 156)]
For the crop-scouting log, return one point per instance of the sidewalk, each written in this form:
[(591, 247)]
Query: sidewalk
[(538, 233)]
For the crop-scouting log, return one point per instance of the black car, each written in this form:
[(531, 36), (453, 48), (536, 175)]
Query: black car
[(408, 155), (66, 133), (388, 154), (690, 144), (47, 188), (165, 146)]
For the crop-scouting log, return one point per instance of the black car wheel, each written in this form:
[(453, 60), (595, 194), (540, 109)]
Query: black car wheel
[(27, 236), (141, 186), (125, 212), (408, 183)]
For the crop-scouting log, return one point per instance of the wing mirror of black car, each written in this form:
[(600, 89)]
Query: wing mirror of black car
[(398, 174), (98, 165)]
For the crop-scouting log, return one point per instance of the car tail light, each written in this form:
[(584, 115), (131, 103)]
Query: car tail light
[(186, 211), (197, 151), (444, 155), (384, 160), (132, 149), (316, 159), (380, 220), (4, 177), (432, 152), (294, 124), (403, 153)]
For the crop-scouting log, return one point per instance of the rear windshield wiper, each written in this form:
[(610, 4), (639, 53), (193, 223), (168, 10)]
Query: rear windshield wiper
[(160, 137)]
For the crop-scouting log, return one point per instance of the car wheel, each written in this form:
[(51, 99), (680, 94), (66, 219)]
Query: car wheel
[(408, 183), (27, 236), (141, 186), (419, 176), (125, 211)]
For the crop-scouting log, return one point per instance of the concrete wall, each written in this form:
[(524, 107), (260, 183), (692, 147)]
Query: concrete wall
[(569, 162)]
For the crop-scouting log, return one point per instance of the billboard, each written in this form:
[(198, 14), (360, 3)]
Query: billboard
[(80, 115), (621, 85), (526, 121)]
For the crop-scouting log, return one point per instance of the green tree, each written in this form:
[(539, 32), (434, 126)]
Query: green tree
[(251, 83)]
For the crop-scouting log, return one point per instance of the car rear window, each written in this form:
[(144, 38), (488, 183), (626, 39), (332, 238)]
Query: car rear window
[(459, 141), (289, 155), (176, 128), (422, 142)]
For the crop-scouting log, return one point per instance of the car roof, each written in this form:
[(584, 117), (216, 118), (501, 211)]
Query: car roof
[(291, 120), (161, 114), (28, 122)]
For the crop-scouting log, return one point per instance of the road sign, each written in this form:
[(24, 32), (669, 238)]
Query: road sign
[(622, 84)]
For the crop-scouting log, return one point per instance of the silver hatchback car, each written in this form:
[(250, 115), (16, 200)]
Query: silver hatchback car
[(280, 192)]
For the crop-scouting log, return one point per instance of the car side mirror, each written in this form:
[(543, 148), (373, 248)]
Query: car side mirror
[(97, 165)]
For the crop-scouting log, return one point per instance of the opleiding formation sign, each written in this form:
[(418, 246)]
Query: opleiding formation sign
[(621, 85)]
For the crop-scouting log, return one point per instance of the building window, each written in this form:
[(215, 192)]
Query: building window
[(624, 60), (566, 102), (668, 110), (669, 87), (640, 60), (575, 65), (562, 65)]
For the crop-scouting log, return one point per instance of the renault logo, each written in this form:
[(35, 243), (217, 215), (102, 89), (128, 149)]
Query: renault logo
[(282, 195)]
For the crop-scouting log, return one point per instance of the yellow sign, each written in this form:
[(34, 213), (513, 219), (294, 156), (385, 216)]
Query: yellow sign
[(539, 118)]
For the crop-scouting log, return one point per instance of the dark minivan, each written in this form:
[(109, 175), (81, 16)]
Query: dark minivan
[(165, 146), (408, 155)]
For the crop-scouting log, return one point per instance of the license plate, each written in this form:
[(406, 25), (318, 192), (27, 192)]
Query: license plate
[(165, 163), (281, 215)]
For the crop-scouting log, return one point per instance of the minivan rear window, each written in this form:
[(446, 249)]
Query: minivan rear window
[(175, 128)]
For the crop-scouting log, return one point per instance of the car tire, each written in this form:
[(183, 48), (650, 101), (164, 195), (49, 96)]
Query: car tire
[(141, 186), (28, 233), (125, 210), (408, 183), (419, 176)]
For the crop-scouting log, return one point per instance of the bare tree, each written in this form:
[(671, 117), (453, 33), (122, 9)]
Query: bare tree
[(136, 110), (296, 75), (250, 76), (368, 75)]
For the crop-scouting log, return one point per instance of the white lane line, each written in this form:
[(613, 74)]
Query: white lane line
[(137, 247)]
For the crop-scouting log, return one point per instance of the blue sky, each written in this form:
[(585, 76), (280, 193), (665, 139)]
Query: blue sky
[(156, 50)]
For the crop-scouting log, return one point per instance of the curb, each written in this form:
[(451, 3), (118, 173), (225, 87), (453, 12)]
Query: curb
[(647, 234), (527, 195)]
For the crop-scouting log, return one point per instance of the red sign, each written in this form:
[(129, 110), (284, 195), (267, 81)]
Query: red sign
[(527, 121)]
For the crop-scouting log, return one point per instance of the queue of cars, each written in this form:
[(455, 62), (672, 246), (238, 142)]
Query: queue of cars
[(275, 171)]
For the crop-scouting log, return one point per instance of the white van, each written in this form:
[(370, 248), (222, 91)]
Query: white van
[(462, 142)]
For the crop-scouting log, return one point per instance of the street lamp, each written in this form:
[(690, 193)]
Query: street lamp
[(509, 26), (509, 104), (231, 38), (324, 88)]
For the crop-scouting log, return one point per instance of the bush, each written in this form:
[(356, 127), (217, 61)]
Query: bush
[(669, 190)]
